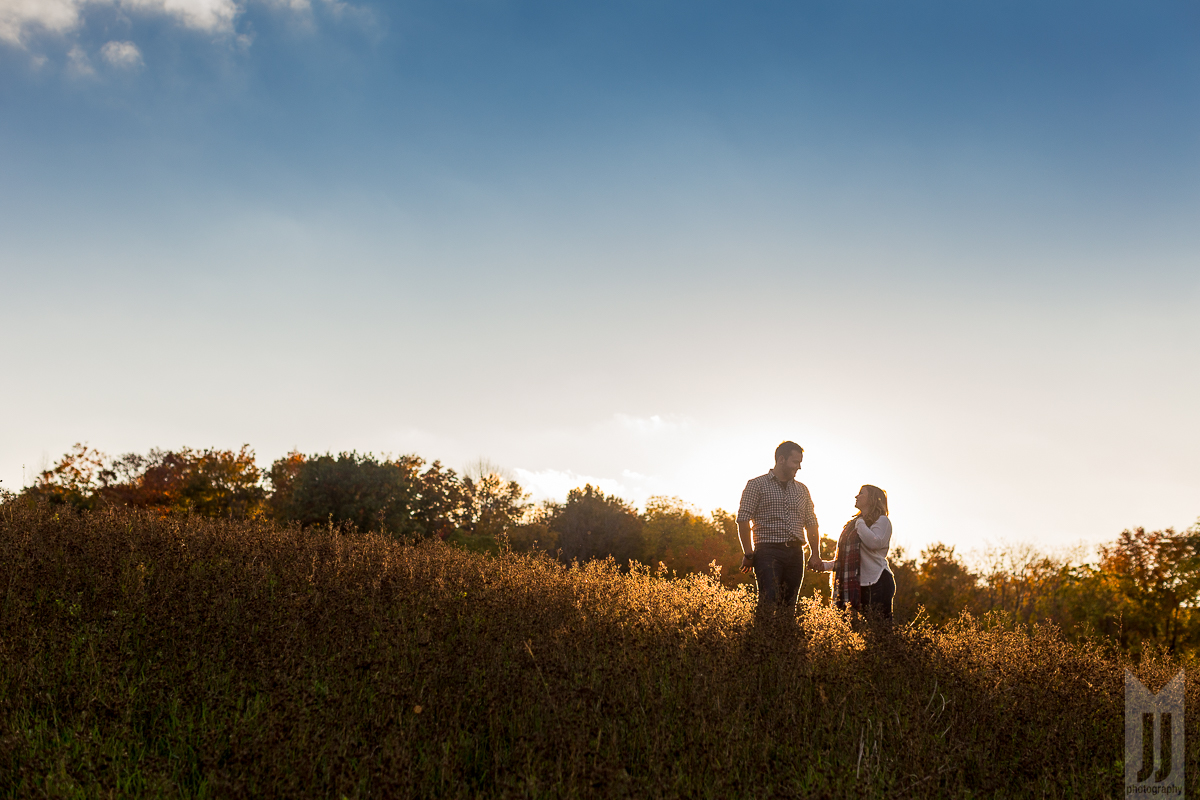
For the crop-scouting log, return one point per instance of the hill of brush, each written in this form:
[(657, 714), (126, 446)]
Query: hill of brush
[(180, 656)]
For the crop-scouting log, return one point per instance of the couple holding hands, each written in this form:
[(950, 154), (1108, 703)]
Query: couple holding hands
[(776, 510)]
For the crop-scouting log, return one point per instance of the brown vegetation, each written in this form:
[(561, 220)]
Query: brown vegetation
[(1143, 590), (177, 655)]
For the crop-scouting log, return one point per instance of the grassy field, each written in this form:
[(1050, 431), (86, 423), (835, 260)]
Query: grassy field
[(188, 657)]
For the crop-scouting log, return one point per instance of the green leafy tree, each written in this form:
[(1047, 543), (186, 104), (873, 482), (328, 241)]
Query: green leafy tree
[(939, 582), (400, 496), (348, 488), (685, 541), (495, 509), (530, 536), (1092, 603), (591, 524), (440, 507), (672, 526), (493, 505), (534, 532)]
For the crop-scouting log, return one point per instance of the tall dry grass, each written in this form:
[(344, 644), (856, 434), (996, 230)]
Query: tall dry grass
[(190, 657)]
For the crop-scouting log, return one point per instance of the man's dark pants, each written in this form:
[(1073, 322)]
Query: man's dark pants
[(779, 571)]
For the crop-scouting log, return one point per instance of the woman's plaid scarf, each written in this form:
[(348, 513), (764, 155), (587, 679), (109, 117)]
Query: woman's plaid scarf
[(846, 589)]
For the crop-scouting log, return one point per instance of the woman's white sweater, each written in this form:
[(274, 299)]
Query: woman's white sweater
[(875, 542)]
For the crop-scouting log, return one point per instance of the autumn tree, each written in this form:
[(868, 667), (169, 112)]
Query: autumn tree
[(1033, 586), (75, 480), (214, 483), (281, 479), (1155, 576)]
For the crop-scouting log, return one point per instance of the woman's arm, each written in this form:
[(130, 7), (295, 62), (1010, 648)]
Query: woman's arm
[(877, 536)]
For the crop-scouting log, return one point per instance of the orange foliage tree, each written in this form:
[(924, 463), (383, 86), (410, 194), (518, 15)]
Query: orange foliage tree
[(213, 483)]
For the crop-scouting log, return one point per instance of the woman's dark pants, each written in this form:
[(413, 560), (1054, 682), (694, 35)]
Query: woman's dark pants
[(877, 598), (779, 571)]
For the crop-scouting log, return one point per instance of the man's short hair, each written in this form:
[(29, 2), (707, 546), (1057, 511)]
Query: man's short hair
[(785, 449)]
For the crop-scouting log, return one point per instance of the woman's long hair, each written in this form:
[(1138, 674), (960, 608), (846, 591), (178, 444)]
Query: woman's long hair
[(876, 505)]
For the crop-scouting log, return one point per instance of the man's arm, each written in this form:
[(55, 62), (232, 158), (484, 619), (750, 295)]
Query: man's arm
[(746, 509), (814, 547), (746, 537)]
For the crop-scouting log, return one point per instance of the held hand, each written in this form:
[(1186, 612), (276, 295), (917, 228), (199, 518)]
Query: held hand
[(814, 563), (747, 563)]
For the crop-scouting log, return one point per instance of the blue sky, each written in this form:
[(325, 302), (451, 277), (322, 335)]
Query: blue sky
[(950, 248)]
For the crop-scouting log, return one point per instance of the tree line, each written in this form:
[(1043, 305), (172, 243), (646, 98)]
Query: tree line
[(1141, 589), (405, 497)]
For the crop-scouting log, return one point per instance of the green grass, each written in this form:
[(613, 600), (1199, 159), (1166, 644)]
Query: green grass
[(188, 657)]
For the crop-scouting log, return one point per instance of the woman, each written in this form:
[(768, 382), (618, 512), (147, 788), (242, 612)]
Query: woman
[(861, 577)]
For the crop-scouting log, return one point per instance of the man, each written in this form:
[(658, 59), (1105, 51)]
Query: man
[(776, 510)]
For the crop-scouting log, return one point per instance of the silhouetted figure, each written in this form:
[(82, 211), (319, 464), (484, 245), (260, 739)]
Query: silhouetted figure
[(862, 579), (775, 512)]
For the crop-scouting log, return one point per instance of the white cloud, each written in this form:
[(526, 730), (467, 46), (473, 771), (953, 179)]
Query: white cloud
[(56, 16), (121, 54), (213, 16), (18, 18), (554, 484), (78, 63)]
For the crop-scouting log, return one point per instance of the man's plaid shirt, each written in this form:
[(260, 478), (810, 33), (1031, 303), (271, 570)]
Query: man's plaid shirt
[(780, 511)]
